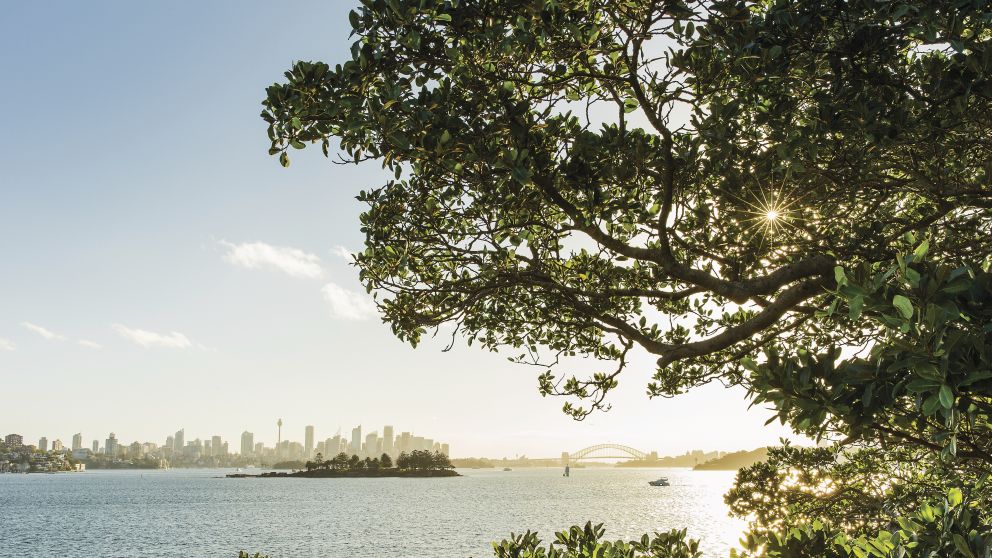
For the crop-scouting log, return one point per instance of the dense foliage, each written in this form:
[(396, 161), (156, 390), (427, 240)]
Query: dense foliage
[(415, 460), (789, 195)]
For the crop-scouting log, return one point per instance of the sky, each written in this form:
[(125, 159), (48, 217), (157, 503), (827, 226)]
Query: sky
[(158, 270)]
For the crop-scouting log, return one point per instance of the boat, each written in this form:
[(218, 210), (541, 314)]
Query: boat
[(663, 481), (507, 469)]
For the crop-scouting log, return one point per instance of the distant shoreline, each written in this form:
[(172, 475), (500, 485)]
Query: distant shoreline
[(331, 474)]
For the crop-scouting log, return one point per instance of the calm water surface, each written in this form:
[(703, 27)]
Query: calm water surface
[(192, 513)]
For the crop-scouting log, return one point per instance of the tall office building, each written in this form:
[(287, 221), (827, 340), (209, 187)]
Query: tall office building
[(247, 443), (446, 450), (217, 445), (43, 444), (179, 440), (208, 450), (356, 440), (388, 445), (308, 442), (96, 446), (170, 443), (111, 445), (372, 444), (77, 442), (405, 442)]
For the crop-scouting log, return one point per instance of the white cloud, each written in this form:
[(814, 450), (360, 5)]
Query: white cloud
[(257, 255), (89, 344), (6, 344), (47, 334), (348, 305), (171, 340), (343, 253)]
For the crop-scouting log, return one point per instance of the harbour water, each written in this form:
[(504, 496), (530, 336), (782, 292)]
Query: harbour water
[(198, 513)]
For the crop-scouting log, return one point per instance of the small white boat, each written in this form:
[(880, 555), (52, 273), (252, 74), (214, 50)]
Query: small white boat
[(663, 481)]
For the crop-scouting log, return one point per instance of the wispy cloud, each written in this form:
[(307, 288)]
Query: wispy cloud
[(348, 305), (6, 345), (343, 253), (46, 333), (89, 344), (259, 255), (148, 339)]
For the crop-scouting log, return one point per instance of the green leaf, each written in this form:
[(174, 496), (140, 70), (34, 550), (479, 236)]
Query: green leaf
[(921, 250), (284, 159), (946, 396), (839, 275), (954, 497), (903, 305)]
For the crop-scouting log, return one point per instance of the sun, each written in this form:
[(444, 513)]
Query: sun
[(771, 213)]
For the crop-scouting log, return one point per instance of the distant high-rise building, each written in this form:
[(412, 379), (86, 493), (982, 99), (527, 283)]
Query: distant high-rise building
[(77, 442), (217, 445), (321, 448), (388, 443), (446, 450), (247, 443), (259, 448), (43, 444), (308, 442), (356, 440), (110, 447), (96, 446), (179, 440), (14, 440), (57, 445), (170, 443), (405, 443), (279, 440), (371, 444)]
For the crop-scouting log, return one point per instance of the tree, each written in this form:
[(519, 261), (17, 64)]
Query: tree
[(340, 461), (740, 189), (355, 463), (403, 461), (574, 177), (386, 461)]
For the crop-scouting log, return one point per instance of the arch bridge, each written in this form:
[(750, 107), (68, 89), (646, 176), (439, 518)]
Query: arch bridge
[(607, 451)]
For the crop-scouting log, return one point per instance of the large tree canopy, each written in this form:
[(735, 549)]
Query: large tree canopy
[(587, 176)]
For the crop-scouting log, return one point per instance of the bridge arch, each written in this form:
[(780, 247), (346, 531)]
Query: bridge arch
[(616, 451)]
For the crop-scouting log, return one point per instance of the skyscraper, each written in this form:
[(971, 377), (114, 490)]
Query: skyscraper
[(179, 440), (77, 442), (110, 447), (96, 446), (247, 443), (57, 445), (388, 441), (43, 444), (372, 444), (217, 445), (356, 440), (308, 442)]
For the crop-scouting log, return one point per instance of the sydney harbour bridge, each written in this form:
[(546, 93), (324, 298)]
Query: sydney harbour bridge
[(606, 451)]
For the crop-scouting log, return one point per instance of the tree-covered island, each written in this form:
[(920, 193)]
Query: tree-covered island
[(415, 464)]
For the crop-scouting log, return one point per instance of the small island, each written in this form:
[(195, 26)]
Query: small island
[(418, 464)]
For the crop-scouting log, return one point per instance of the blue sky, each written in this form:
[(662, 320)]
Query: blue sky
[(160, 270)]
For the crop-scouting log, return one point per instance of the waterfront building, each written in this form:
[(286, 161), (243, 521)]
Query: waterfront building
[(110, 447), (14, 440), (446, 450), (43, 444), (77, 441), (308, 442), (170, 444), (96, 446), (247, 443), (356, 440), (217, 445), (259, 448), (388, 443), (405, 442), (57, 445), (179, 440)]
